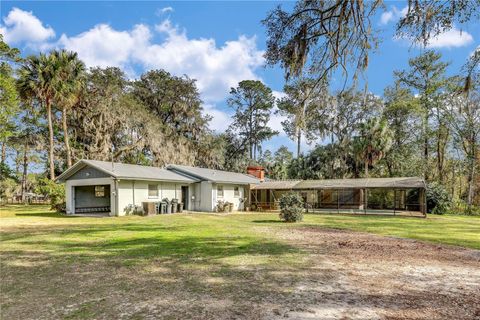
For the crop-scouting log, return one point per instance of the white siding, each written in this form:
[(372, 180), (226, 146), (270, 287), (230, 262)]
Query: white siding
[(126, 197), (229, 195), (206, 203)]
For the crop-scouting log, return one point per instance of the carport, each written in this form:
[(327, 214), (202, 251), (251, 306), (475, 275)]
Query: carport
[(92, 199)]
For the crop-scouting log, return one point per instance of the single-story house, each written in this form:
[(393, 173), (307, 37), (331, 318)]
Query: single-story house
[(113, 188)]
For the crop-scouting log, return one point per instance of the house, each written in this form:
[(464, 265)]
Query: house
[(112, 188), (402, 195)]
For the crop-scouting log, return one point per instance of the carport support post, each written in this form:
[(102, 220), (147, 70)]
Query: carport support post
[(394, 200), (365, 201), (338, 200)]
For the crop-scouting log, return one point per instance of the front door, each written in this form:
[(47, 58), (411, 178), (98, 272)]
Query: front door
[(185, 197)]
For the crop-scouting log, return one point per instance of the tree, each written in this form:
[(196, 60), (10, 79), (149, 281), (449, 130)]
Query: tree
[(321, 36), (465, 121), (71, 80), (347, 111), (281, 159), (39, 82), (403, 114), (427, 76), (303, 98), (8, 94), (374, 141), (253, 102), (174, 100), (426, 19)]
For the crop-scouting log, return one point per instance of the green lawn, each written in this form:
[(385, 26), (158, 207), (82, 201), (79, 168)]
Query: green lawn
[(448, 229), (55, 266)]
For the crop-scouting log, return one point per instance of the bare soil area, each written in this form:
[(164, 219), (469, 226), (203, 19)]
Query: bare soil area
[(374, 277), (338, 275)]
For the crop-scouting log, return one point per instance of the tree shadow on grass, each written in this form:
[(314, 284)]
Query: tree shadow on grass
[(268, 221)]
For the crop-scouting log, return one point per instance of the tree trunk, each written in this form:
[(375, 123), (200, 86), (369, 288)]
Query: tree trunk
[(299, 140), (25, 170), (66, 138), (4, 151), (425, 146), (50, 138), (471, 176)]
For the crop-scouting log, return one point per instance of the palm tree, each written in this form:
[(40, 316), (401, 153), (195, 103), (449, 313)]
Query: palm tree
[(72, 79), (374, 142), (38, 80)]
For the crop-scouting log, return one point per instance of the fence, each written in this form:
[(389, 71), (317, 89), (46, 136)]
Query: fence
[(6, 201)]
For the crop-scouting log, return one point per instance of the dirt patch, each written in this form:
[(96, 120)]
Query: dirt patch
[(339, 275), (379, 277)]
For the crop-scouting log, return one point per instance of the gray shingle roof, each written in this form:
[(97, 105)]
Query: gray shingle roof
[(217, 176), (128, 171), (277, 184), (404, 182)]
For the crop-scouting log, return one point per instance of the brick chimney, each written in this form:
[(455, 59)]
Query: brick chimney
[(256, 171)]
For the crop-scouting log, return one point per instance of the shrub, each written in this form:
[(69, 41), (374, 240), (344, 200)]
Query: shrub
[(291, 207), (53, 191), (438, 199)]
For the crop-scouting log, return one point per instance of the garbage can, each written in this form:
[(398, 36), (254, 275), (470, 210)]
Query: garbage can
[(174, 205), (180, 207), (230, 207), (169, 207), (163, 207)]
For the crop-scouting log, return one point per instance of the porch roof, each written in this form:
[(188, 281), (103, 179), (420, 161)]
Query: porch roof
[(387, 183)]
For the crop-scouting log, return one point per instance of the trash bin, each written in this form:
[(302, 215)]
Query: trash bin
[(174, 205), (230, 207), (163, 207), (180, 207), (148, 208), (169, 207)]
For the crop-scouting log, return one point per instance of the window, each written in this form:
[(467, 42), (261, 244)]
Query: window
[(236, 192), (220, 191), (153, 191), (99, 191)]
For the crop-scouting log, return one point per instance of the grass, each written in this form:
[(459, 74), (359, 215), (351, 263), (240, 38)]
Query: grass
[(186, 255)]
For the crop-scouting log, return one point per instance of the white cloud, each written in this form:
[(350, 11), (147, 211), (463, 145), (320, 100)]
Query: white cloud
[(392, 15), (451, 39), (386, 17), (164, 10), (23, 26), (103, 46), (278, 94), (221, 120), (215, 68)]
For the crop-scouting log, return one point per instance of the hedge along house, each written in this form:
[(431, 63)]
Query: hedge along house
[(394, 196), (107, 188)]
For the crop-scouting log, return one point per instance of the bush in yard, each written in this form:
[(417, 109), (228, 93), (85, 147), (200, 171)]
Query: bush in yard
[(438, 199), (53, 191), (291, 207)]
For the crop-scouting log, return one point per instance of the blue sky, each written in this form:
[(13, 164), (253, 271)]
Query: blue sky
[(217, 43)]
